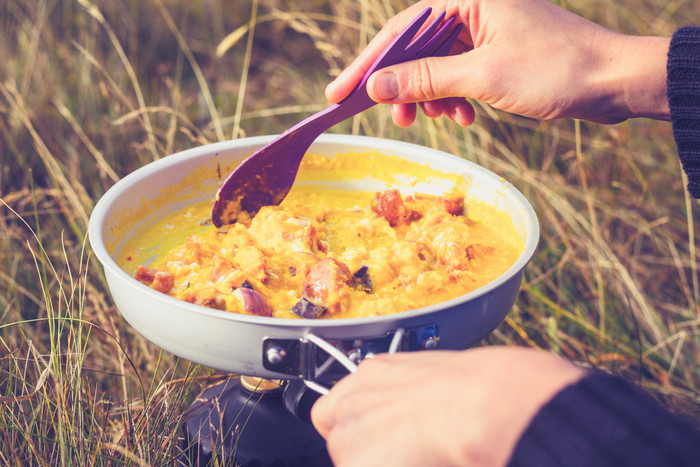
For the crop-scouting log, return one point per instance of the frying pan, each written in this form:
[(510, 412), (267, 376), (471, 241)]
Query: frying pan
[(288, 348)]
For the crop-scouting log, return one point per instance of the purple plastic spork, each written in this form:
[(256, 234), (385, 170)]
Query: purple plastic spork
[(266, 176)]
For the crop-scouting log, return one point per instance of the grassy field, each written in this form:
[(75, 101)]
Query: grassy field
[(92, 90)]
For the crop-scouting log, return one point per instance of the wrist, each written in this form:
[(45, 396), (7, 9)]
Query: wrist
[(636, 78)]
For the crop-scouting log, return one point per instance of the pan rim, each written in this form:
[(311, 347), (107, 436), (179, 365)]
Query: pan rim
[(103, 208)]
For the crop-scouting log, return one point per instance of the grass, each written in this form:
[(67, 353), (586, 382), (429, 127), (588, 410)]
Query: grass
[(92, 90)]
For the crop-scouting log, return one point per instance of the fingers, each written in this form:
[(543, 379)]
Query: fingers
[(351, 443), (455, 108), (461, 111), (330, 408), (361, 407), (323, 411), (346, 81), (403, 114), (432, 82), (425, 80), (389, 89)]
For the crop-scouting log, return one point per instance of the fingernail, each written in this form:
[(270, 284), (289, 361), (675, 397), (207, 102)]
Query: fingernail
[(386, 86)]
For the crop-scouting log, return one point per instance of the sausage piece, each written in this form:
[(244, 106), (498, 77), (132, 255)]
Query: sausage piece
[(159, 280), (391, 207), (478, 250), (326, 283)]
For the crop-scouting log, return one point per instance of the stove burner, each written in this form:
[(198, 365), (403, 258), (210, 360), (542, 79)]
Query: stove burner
[(251, 422)]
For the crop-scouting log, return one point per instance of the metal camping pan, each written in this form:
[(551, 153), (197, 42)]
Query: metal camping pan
[(287, 348)]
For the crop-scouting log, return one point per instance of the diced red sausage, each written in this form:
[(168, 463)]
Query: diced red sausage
[(390, 206), (454, 206), (220, 267), (325, 283), (158, 280), (478, 250)]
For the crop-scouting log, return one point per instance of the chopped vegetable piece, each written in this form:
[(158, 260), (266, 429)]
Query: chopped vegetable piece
[(253, 302), (362, 279), (307, 309)]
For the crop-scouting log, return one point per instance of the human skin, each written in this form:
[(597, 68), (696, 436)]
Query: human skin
[(527, 57), (438, 408)]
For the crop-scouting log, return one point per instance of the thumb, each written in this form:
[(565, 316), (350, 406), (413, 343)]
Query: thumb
[(425, 79)]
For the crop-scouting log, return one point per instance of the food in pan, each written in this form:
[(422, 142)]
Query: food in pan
[(330, 252)]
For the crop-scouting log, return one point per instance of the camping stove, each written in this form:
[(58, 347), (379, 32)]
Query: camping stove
[(249, 421)]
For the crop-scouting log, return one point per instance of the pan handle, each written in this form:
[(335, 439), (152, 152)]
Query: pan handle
[(320, 361), (343, 359)]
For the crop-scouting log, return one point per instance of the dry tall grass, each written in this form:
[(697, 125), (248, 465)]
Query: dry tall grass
[(91, 90)]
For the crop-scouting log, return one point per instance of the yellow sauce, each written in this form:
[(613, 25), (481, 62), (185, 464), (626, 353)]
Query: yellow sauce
[(335, 249)]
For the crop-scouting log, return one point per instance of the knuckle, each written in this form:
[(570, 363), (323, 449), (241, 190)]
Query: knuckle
[(421, 81)]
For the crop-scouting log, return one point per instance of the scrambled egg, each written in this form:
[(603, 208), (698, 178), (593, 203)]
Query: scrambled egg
[(327, 253)]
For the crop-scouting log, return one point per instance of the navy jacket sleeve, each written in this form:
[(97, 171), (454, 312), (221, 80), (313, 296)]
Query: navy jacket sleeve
[(683, 81), (604, 420)]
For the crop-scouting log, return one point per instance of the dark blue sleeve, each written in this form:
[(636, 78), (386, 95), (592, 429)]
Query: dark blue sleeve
[(683, 81), (604, 420)]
